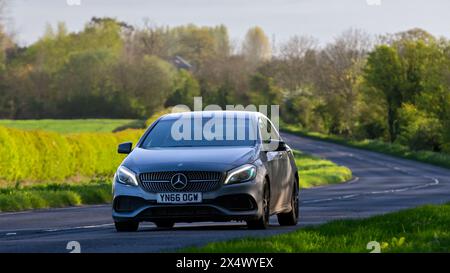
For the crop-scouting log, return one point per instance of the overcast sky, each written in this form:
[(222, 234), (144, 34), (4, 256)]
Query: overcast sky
[(323, 19)]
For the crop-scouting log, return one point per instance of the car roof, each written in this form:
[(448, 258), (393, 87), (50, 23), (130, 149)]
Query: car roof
[(207, 114)]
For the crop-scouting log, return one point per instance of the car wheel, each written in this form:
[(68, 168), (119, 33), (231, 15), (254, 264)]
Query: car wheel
[(263, 221), (126, 226), (164, 224), (291, 218)]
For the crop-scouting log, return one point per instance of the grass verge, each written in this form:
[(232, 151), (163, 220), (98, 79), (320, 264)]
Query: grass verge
[(439, 159), (314, 171), (66, 126), (423, 229), (53, 195)]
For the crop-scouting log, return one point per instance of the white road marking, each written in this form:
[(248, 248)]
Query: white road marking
[(80, 227)]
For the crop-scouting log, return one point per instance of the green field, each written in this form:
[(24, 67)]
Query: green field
[(65, 126), (423, 229)]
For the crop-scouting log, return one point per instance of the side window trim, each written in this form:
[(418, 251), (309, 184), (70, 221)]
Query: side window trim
[(274, 130)]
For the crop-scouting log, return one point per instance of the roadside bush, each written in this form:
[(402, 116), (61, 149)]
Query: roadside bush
[(417, 130), (39, 155)]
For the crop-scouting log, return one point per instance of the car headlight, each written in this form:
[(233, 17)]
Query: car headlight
[(241, 174), (125, 176)]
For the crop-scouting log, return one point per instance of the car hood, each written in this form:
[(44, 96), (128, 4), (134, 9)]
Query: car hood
[(189, 158)]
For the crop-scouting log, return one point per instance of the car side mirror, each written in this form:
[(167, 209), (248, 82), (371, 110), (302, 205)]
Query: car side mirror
[(274, 146), (281, 146), (125, 148)]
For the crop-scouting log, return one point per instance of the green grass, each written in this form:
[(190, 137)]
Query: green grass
[(74, 125), (315, 171), (54, 195), (423, 229), (439, 159)]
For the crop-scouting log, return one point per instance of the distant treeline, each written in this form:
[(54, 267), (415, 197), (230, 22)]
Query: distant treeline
[(394, 87)]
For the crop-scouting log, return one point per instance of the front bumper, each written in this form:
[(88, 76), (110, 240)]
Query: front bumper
[(238, 202)]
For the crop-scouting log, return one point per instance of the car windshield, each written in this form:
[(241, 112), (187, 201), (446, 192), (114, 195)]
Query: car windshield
[(202, 132)]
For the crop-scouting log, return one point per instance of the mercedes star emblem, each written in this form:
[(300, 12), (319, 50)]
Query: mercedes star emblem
[(179, 181)]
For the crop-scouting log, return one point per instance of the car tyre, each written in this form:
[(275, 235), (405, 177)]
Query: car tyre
[(126, 226), (164, 224), (263, 221), (291, 218)]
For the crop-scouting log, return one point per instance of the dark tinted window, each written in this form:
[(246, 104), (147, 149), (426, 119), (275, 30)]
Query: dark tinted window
[(197, 132)]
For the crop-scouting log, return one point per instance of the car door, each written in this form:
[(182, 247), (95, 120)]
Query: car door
[(284, 173), (273, 162)]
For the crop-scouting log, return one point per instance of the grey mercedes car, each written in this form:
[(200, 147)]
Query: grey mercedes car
[(206, 166)]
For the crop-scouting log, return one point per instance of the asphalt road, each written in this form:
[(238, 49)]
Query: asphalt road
[(381, 184)]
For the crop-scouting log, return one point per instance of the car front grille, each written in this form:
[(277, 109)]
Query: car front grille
[(198, 181)]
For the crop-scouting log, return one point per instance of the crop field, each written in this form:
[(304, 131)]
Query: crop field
[(34, 156)]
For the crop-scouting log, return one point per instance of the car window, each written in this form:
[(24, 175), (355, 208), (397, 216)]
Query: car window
[(268, 131), (264, 128), (183, 133), (274, 133)]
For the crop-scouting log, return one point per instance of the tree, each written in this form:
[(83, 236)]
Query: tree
[(86, 80), (298, 57), (186, 88), (384, 72), (195, 44), (256, 46), (3, 39), (263, 91), (337, 77), (147, 80)]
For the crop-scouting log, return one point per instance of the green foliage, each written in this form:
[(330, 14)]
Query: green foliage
[(149, 80), (349, 87), (417, 130), (395, 149), (40, 155), (423, 229), (186, 88), (315, 171), (410, 71), (54, 195), (384, 72), (264, 91)]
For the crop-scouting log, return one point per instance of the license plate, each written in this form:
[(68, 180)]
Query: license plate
[(179, 198)]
